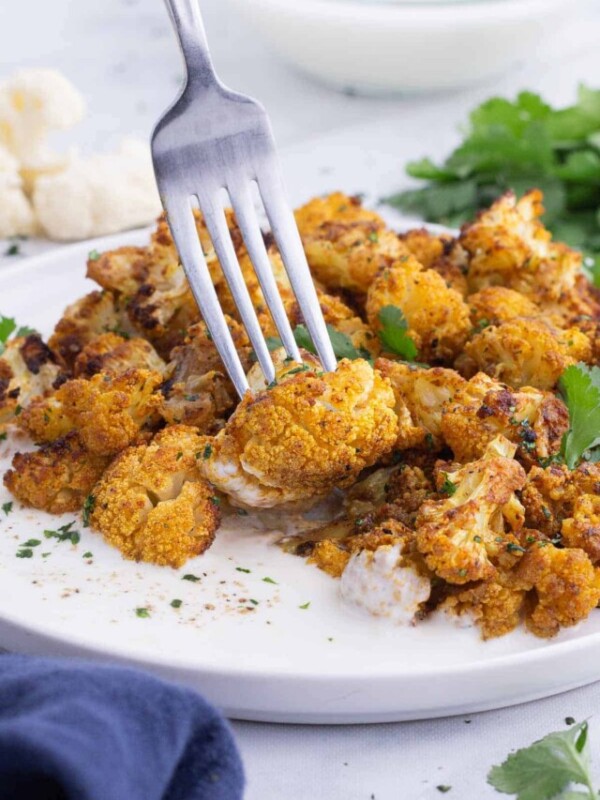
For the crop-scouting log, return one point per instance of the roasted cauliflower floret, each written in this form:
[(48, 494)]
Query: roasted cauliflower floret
[(437, 316), (443, 254), (114, 355), (421, 395), (465, 536), (56, 478), (494, 605), (120, 271), (108, 412), (302, 438), (85, 320), (482, 408), (525, 352), (27, 369), (345, 244), (197, 390), (565, 505), (497, 304), (152, 503), (509, 246), (564, 587)]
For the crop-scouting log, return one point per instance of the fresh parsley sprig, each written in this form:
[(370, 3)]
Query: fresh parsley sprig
[(519, 145), (548, 769), (394, 333), (580, 388)]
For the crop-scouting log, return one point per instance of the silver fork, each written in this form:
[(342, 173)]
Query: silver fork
[(213, 139)]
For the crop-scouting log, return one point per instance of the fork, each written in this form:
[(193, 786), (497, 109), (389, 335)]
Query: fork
[(210, 140)]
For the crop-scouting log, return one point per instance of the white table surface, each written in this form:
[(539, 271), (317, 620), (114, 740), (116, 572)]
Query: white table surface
[(122, 56)]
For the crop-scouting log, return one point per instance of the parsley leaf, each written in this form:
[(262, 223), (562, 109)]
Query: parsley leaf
[(580, 387), (393, 333), (544, 769), (7, 327), (342, 344), (88, 507)]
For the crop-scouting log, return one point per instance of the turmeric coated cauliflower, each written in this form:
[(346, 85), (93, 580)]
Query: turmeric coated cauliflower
[(444, 254), (108, 412), (495, 605), (497, 304), (300, 439), (509, 246), (482, 408), (153, 505), (437, 316), (113, 355), (421, 395), (564, 587), (465, 536), (56, 478), (525, 352), (27, 370)]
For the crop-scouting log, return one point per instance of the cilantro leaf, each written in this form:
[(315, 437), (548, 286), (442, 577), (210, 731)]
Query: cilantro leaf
[(544, 769), (580, 387), (393, 333), (7, 328), (342, 344)]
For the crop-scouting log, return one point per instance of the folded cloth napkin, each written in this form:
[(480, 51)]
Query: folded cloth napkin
[(76, 731)]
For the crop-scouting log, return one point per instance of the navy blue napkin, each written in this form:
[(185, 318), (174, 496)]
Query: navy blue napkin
[(76, 731)]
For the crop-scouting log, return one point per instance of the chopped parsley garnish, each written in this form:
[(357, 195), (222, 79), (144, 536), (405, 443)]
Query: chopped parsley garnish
[(31, 543), (93, 255), (570, 720), (176, 603), (447, 486), (88, 507), (88, 555), (241, 512), (393, 333), (25, 330), (7, 507), (143, 613), (191, 578), (243, 569), (580, 388), (207, 452), (373, 236), (25, 552), (443, 788), (3, 437), (13, 249), (253, 601), (515, 548), (179, 456), (216, 500), (296, 370), (270, 580), (304, 606), (64, 534), (546, 769)]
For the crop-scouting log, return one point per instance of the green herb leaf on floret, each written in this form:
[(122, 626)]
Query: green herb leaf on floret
[(580, 388), (393, 334)]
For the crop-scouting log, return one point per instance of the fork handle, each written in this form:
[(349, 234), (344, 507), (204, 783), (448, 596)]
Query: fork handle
[(185, 15)]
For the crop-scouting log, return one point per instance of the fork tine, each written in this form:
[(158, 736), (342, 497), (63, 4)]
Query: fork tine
[(185, 235), (214, 217), (285, 231), (247, 219)]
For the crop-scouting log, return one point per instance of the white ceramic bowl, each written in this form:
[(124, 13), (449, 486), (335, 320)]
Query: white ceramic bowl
[(384, 47)]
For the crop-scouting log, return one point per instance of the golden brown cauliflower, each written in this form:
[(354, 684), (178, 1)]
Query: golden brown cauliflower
[(120, 271), (482, 408), (85, 320), (197, 390), (509, 246), (496, 304), (437, 316), (495, 605), (444, 254), (525, 352), (305, 436), (108, 412), (113, 355), (56, 478), (465, 536), (565, 505), (564, 587), (421, 395), (152, 503), (345, 244), (28, 369)]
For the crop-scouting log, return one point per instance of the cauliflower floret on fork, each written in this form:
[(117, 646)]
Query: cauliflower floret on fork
[(152, 503), (304, 436), (465, 536)]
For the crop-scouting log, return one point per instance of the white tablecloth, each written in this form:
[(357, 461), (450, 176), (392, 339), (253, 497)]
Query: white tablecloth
[(122, 56)]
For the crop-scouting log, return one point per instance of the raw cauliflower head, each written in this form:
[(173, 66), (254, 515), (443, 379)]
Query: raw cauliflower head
[(465, 536), (152, 503), (525, 352), (509, 246), (482, 408), (57, 477), (99, 195), (17, 215), (437, 316), (421, 395), (303, 437)]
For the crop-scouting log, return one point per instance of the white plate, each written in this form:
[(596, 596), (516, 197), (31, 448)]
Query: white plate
[(278, 662)]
